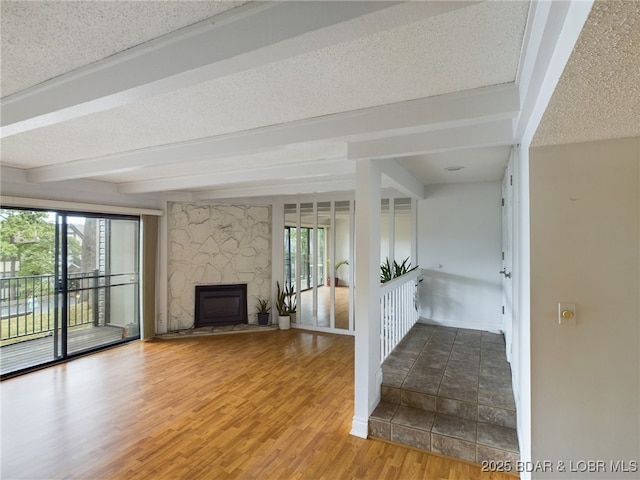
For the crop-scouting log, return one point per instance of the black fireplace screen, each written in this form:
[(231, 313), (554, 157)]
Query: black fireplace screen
[(220, 305)]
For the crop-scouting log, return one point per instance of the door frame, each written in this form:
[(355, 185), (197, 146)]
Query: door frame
[(61, 288), (507, 257)]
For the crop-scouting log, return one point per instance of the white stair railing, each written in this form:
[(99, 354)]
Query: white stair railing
[(398, 312)]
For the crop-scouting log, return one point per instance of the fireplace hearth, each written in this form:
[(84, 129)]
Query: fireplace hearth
[(221, 305)]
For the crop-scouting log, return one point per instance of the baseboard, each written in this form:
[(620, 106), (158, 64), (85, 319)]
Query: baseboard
[(359, 427), (313, 328), (487, 327)]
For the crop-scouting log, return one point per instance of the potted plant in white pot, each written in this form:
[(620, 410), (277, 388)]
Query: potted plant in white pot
[(263, 311), (284, 320)]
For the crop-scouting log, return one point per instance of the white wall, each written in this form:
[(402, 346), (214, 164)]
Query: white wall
[(585, 249), (402, 238), (459, 245)]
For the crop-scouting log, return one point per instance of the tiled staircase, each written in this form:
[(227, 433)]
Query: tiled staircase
[(448, 390)]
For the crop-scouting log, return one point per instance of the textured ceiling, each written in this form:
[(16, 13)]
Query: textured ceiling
[(427, 86), (44, 39), (287, 155), (478, 165), (473, 47), (598, 96)]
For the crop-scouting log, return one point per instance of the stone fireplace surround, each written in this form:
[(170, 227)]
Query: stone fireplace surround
[(216, 244)]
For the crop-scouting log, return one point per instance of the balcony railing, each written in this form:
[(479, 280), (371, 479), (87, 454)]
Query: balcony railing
[(398, 312), (28, 304)]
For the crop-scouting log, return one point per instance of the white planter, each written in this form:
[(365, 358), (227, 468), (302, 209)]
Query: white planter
[(284, 322)]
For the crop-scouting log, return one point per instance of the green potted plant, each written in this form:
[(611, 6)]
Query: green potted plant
[(336, 280), (292, 303), (388, 272), (284, 320), (263, 311)]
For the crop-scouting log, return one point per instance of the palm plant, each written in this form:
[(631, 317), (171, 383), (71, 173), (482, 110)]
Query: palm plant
[(338, 265)]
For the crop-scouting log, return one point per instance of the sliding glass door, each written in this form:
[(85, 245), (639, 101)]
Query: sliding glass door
[(102, 281), (69, 284)]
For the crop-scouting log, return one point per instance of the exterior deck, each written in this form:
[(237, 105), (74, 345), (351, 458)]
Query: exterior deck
[(30, 353)]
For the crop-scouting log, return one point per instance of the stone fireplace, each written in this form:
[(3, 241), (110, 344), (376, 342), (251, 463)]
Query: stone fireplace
[(218, 305), (216, 245)]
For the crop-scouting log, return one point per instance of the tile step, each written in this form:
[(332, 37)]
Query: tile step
[(456, 437), (487, 410)]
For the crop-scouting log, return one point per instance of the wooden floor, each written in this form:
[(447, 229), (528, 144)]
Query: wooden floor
[(324, 312), (273, 405), (37, 351)]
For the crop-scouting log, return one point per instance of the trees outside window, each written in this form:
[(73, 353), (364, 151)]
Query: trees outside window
[(26, 242)]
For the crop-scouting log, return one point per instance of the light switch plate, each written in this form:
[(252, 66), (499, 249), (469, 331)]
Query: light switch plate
[(567, 314)]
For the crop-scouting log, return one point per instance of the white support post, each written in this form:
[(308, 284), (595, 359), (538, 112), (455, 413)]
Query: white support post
[(368, 375), (162, 277), (392, 230), (352, 246), (331, 268), (314, 262), (296, 283), (414, 232), (277, 253)]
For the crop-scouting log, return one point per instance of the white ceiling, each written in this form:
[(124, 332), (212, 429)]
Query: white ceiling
[(598, 96), (41, 40), (237, 99)]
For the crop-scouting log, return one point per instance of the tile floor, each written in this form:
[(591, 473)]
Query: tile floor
[(448, 390)]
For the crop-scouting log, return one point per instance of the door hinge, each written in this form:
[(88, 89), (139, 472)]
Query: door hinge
[(511, 180), (503, 255), (503, 309), (503, 202)]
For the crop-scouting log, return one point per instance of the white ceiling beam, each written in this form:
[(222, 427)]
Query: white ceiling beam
[(432, 113), (400, 179), (290, 173), (252, 35), (246, 37), (552, 31), (341, 184), (488, 134)]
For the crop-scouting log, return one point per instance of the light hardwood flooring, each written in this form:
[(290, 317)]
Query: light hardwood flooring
[(272, 405), (324, 312)]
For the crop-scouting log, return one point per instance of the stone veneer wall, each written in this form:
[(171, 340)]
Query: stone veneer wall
[(211, 244)]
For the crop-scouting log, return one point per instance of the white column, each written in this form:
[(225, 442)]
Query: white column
[(368, 375), (414, 232), (162, 275), (392, 230), (277, 253)]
